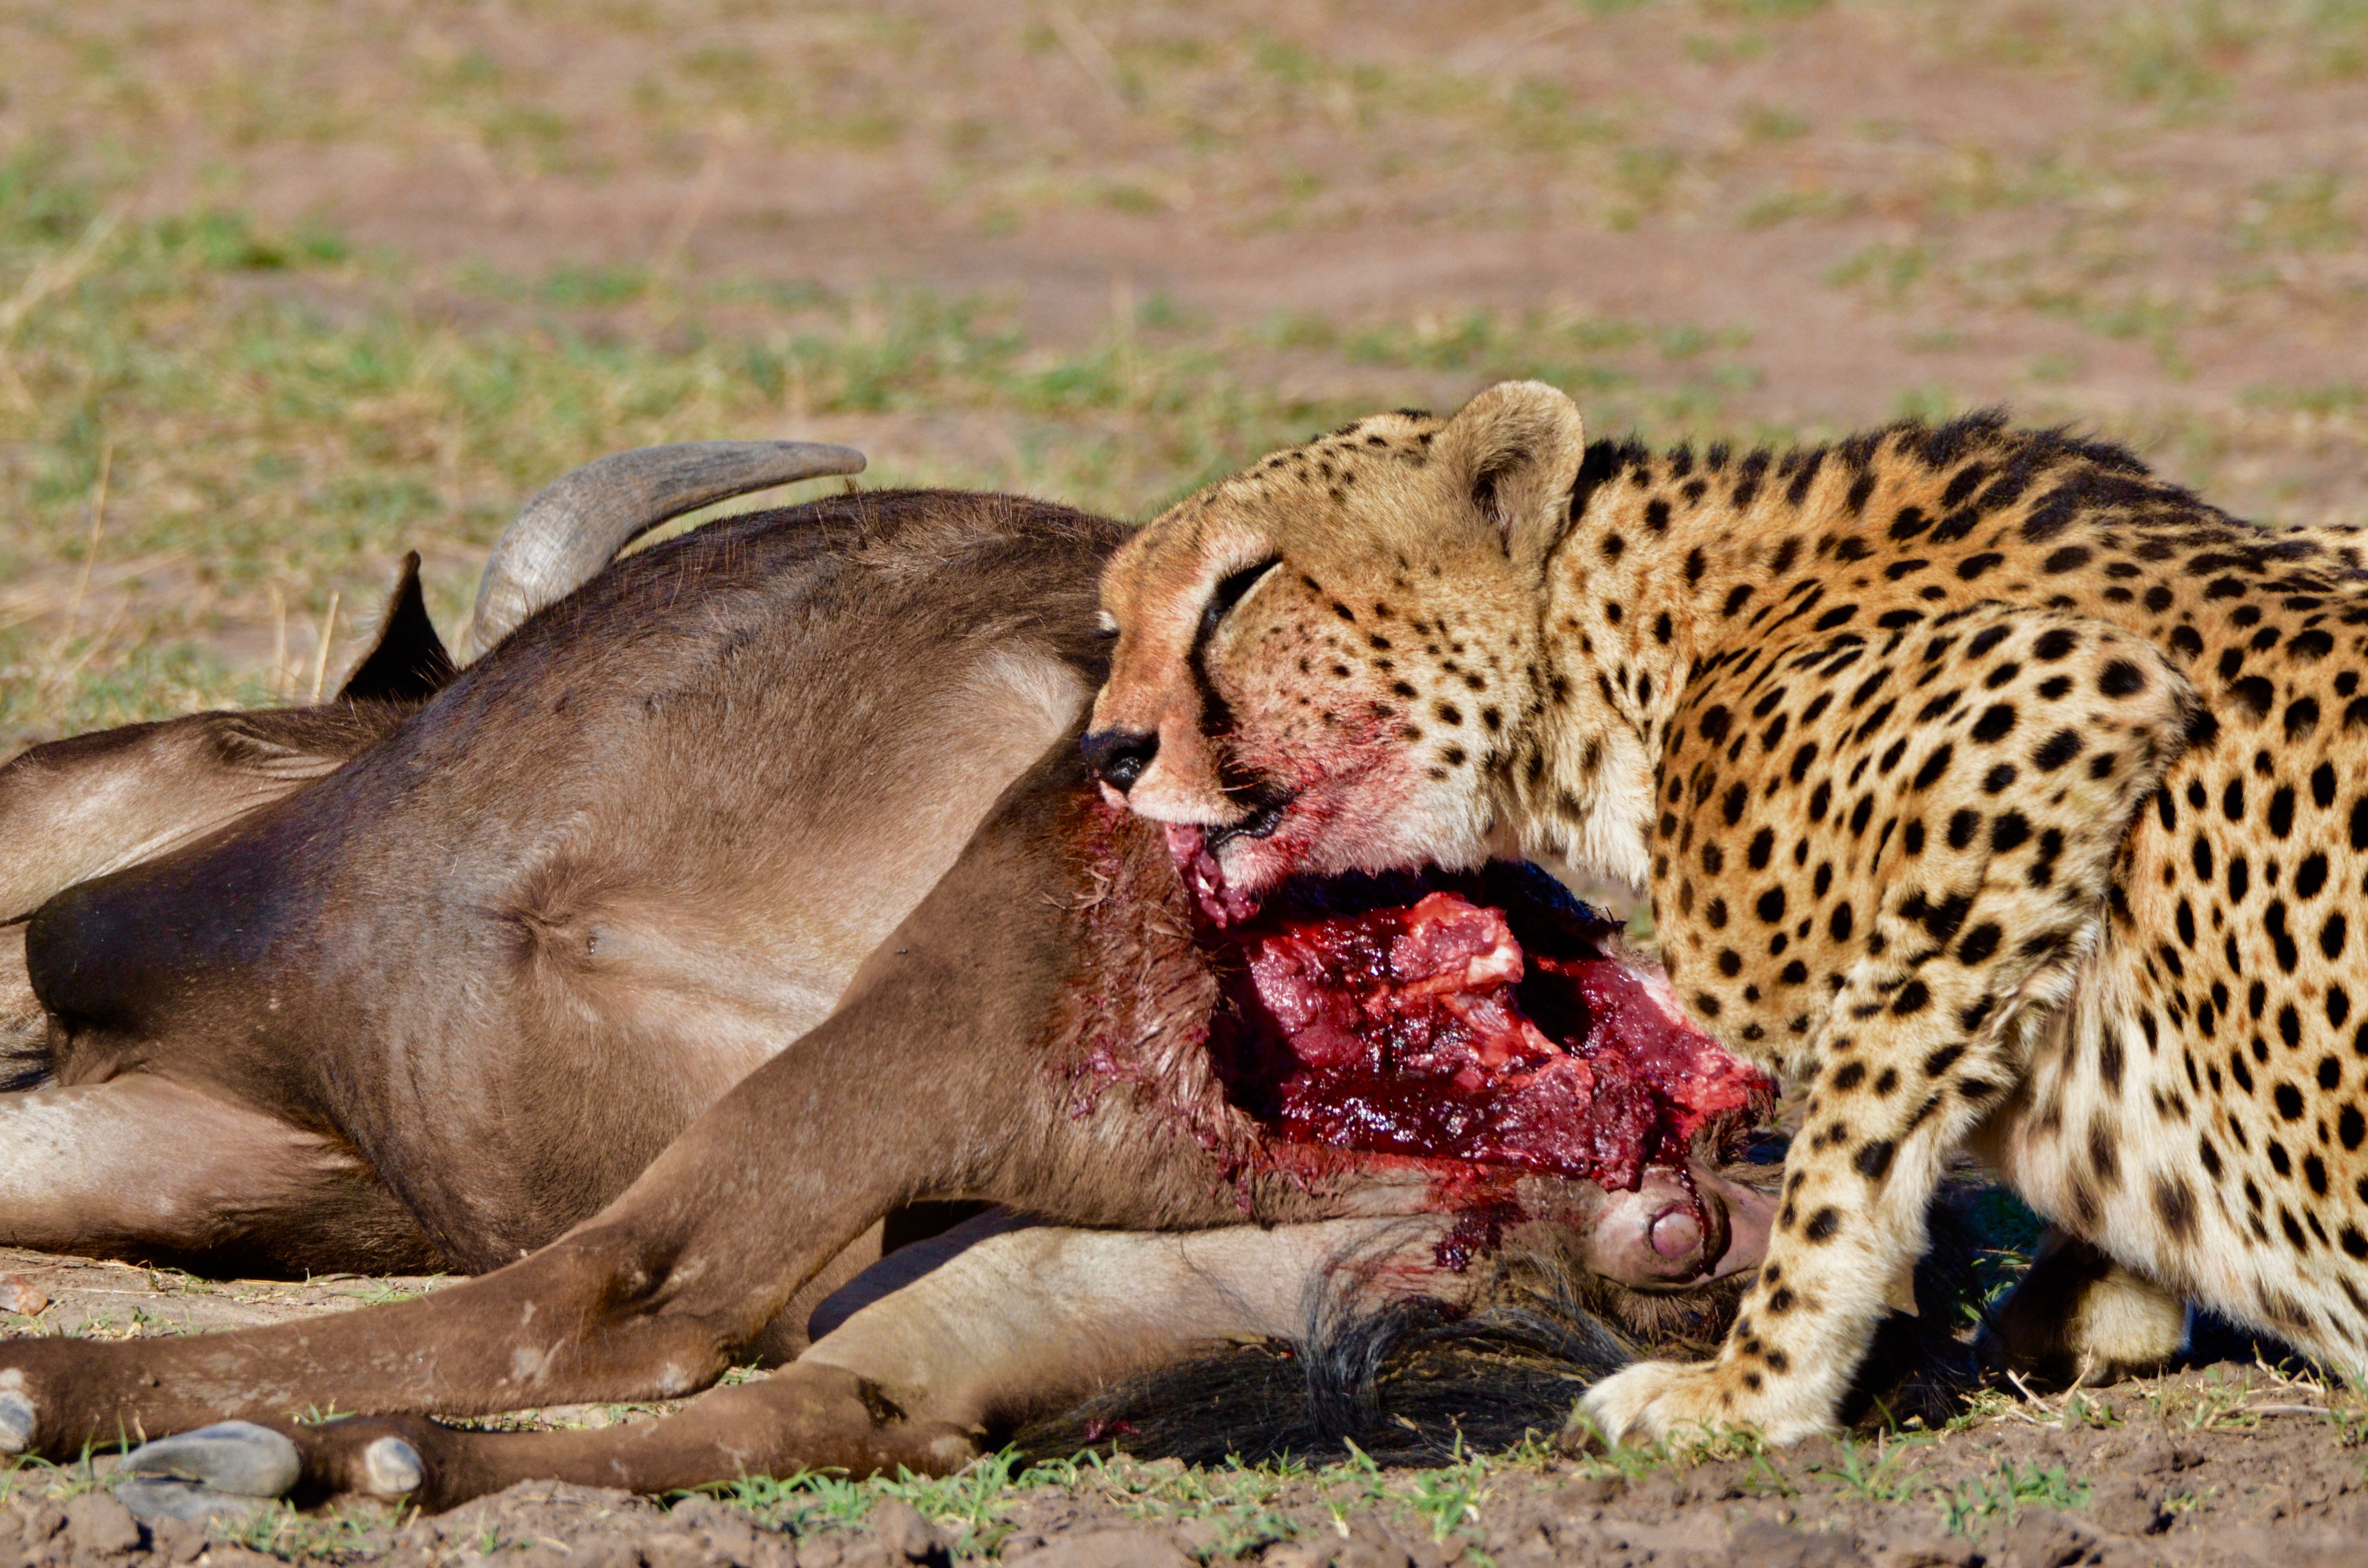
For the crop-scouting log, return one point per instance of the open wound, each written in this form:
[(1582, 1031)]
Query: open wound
[(1487, 1018)]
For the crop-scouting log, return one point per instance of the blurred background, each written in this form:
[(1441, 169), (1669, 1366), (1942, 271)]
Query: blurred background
[(287, 287)]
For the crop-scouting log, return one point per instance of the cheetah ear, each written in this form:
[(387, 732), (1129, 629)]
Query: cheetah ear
[(1515, 452)]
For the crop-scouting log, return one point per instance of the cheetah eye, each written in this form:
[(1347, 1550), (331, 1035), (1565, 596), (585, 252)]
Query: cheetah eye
[(1230, 591)]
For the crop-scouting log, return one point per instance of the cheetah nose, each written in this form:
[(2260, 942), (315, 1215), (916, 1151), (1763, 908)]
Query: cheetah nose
[(1677, 1232), (1119, 756)]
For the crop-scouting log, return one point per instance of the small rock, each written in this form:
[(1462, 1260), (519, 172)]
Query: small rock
[(2120, 1551), (2127, 1508), (1661, 1489), (18, 1294), (671, 1550), (597, 1554), (1369, 1545), (728, 1533), (1719, 1481), (100, 1525), (823, 1550), (179, 1540), (2044, 1537), (1764, 1543), (1910, 1542), (2156, 1454), (900, 1528), (46, 1520), (1595, 1492), (1127, 1548)]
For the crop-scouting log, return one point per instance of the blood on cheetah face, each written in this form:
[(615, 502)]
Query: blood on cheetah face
[(1282, 706)]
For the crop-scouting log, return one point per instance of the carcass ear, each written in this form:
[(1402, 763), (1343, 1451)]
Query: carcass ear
[(1516, 450), (407, 664)]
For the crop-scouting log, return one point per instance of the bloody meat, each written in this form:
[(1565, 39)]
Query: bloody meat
[(1424, 1027)]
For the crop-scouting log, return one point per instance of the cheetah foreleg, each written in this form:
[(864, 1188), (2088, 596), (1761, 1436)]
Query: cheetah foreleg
[(1968, 786), (1857, 1183)]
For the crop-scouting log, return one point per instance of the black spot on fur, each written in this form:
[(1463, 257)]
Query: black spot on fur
[(2060, 748), (2121, 678)]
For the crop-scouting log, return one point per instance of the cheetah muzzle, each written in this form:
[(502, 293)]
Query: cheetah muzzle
[(2002, 795)]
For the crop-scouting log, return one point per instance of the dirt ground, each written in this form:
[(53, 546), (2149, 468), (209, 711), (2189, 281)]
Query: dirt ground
[(2222, 1463), (2275, 1494), (288, 287)]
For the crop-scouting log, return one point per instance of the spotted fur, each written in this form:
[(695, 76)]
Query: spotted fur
[(2002, 794)]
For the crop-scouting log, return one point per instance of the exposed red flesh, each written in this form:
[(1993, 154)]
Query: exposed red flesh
[(1423, 1030)]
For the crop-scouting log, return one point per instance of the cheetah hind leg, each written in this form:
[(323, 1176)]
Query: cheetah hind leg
[(1927, 1031), (2080, 1319)]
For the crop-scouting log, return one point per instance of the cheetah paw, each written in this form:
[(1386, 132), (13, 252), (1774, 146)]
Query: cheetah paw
[(1653, 1399)]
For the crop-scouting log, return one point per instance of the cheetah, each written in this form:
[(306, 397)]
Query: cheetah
[(2001, 795)]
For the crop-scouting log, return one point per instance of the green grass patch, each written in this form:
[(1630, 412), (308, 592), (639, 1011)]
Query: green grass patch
[(213, 432)]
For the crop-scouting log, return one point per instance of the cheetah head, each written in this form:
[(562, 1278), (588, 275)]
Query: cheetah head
[(1328, 662)]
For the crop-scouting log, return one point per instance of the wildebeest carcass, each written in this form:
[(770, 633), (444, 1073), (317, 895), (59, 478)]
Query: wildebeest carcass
[(744, 895)]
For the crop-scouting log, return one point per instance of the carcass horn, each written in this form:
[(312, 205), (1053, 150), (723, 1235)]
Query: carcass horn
[(581, 520)]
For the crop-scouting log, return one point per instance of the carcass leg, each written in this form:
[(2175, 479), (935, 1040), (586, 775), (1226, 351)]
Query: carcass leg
[(147, 1168), (24, 1026), (656, 1295), (978, 1329), (76, 809)]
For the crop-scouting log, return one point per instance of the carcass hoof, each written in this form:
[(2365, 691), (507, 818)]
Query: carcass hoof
[(234, 1459), (392, 1468), (18, 1421), (152, 1498)]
